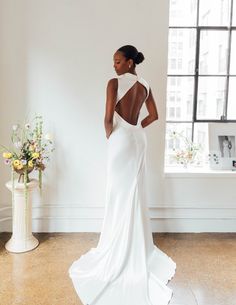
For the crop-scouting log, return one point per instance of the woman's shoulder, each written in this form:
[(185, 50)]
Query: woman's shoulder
[(112, 83)]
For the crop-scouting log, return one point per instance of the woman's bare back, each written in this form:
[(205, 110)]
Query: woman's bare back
[(128, 107), (126, 96)]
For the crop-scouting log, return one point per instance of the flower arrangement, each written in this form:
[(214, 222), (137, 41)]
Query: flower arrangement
[(29, 152), (188, 153)]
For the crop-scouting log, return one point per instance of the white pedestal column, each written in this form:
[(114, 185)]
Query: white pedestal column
[(22, 239)]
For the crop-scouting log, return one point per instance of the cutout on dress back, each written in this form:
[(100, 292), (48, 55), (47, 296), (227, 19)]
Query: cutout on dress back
[(126, 83)]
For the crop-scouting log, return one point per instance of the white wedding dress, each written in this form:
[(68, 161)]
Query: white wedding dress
[(125, 268)]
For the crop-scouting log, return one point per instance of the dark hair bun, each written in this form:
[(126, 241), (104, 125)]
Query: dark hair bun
[(139, 58), (130, 52)]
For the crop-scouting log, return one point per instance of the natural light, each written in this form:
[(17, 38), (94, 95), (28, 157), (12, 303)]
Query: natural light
[(201, 84)]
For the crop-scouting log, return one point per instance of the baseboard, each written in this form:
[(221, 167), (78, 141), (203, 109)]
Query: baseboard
[(164, 218)]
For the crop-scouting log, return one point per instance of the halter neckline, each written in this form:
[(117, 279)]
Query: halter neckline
[(130, 75)]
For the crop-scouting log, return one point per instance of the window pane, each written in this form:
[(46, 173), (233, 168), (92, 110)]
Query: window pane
[(201, 137), (185, 129), (210, 98), (234, 13), (181, 51), (183, 12), (233, 52), (179, 98), (231, 114), (214, 12), (213, 52)]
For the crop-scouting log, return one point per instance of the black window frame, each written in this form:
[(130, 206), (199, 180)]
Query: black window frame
[(196, 75)]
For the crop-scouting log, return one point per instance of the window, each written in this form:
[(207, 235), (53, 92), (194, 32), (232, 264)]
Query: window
[(201, 85)]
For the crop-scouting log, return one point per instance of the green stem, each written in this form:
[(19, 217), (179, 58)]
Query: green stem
[(40, 182), (13, 186), (5, 148), (26, 196)]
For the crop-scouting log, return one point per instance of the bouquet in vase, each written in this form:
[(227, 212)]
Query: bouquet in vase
[(30, 150), (189, 151)]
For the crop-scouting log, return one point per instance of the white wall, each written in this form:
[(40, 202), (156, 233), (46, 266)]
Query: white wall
[(56, 59)]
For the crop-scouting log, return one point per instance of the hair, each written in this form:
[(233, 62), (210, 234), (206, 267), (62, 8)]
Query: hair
[(130, 52)]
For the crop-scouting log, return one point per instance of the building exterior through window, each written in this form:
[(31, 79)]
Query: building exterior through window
[(201, 84)]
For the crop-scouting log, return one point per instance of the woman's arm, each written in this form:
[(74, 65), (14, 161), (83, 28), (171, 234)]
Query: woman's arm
[(152, 110), (110, 105)]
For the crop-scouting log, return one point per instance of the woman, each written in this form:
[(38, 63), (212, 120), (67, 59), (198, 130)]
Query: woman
[(125, 268), (227, 146)]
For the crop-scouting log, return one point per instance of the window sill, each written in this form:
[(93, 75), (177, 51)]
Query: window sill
[(195, 172)]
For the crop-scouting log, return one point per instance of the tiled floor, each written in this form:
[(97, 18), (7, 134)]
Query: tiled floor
[(205, 273)]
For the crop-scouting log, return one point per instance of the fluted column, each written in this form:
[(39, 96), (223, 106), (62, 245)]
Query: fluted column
[(22, 239)]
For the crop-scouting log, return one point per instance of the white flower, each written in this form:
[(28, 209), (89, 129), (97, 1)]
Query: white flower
[(27, 126), (48, 137), (24, 162), (15, 127), (18, 144)]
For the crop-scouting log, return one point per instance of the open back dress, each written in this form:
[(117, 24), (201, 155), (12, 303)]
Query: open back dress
[(125, 268)]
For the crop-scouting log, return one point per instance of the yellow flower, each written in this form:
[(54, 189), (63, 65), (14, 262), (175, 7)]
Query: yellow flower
[(7, 155), (16, 163), (20, 166), (30, 163), (35, 155)]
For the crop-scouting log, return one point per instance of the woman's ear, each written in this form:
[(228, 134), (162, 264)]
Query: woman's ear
[(130, 63)]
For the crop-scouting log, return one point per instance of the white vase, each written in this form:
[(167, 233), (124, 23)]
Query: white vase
[(22, 239)]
